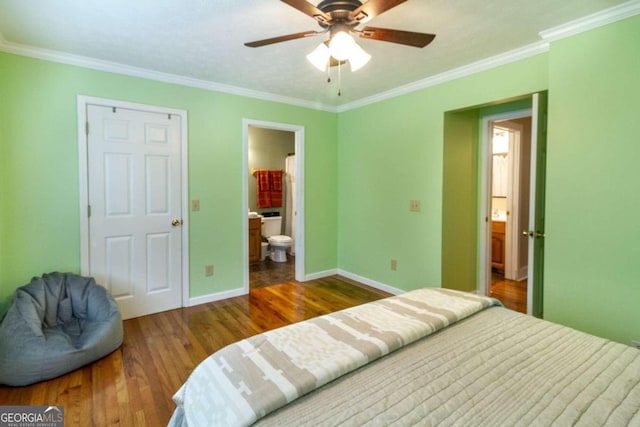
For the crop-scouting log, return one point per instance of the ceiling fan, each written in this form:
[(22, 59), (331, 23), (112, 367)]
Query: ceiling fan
[(340, 18)]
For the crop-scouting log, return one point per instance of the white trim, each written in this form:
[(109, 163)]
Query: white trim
[(321, 274), (217, 296), (370, 282), (456, 73), (590, 22), (114, 67), (299, 238), (523, 273), (484, 225), (512, 235), (535, 112), (83, 168), (571, 28)]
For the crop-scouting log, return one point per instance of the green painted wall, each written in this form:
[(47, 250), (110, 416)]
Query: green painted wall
[(4, 170), (39, 202), (363, 167), (462, 139), (392, 152), (592, 257), (460, 200)]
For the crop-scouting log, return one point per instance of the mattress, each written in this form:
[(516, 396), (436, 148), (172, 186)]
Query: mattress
[(467, 362)]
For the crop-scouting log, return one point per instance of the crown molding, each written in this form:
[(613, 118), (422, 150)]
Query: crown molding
[(607, 16), (456, 73), (117, 68), (590, 22)]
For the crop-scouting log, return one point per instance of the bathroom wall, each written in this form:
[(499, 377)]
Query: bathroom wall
[(498, 203), (268, 149)]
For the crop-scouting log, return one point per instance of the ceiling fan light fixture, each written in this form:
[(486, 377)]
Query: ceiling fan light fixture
[(341, 45), (320, 57), (358, 57)]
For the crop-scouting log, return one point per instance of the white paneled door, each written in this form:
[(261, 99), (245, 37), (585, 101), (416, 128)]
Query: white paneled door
[(135, 245)]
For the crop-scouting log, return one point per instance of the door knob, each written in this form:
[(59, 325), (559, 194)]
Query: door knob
[(536, 234), (176, 222)]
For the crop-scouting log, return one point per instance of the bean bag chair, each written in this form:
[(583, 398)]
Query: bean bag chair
[(56, 324)]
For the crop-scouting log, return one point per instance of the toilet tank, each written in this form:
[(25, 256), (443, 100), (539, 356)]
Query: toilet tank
[(271, 226)]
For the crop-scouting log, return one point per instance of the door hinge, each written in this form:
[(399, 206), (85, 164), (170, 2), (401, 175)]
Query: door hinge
[(88, 210), (86, 127)]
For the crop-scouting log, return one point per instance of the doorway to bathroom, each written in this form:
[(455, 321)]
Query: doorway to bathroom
[(466, 197), (274, 197), (512, 204), (507, 154)]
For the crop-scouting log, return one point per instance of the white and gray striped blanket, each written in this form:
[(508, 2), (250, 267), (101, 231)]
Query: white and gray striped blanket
[(247, 380)]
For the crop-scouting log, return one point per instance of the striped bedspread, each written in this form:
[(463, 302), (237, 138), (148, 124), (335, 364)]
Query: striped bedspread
[(496, 368), (247, 380)]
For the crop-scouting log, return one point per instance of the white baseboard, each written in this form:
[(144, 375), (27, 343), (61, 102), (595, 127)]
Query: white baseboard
[(320, 274), (203, 299), (523, 273), (370, 282)]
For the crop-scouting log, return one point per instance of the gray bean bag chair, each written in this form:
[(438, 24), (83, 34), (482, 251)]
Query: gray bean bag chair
[(55, 324)]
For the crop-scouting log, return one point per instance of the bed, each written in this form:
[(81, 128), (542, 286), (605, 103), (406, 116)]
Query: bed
[(427, 357)]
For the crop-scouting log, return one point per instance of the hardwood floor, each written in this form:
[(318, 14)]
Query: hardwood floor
[(133, 386), (267, 272), (511, 293)]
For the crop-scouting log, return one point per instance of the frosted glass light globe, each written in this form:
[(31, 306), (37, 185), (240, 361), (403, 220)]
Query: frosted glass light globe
[(341, 45)]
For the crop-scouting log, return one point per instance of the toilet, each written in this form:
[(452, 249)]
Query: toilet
[(271, 227)]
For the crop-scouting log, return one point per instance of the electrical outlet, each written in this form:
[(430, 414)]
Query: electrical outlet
[(208, 270), (414, 205), (394, 264), (635, 344), (195, 205)]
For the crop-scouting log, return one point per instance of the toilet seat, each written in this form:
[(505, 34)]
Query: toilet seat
[(279, 240)]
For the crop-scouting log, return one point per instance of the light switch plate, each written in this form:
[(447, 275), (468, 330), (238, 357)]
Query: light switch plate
[(195, 205), (414, 205), (208, 270)]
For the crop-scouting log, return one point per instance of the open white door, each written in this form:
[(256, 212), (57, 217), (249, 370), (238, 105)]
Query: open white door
[(135, 207)]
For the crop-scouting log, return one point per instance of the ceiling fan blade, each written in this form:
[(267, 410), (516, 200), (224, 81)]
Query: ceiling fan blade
[(308, 9), (373, 8), (288, 37), (408, 38)]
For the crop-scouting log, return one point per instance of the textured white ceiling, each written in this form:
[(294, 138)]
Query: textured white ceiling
[(204, 39)]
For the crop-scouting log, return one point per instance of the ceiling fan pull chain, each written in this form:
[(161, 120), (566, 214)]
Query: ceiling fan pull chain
[(339, 78)]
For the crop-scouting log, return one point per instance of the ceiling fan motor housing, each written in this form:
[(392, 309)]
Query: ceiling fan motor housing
[(340, 10)]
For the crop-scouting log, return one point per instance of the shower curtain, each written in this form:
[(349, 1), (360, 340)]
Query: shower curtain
[(290, 202)]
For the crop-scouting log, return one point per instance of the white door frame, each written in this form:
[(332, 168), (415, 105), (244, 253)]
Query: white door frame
[(83, 168), (484, 219), (511, 270), (298, 239)]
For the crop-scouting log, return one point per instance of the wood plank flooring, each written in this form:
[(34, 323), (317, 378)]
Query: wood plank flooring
[(133, 386), (267, 272), (511, 293)]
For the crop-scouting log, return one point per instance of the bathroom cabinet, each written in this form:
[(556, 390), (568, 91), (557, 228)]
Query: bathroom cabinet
[(255, 238), (498, 245)]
